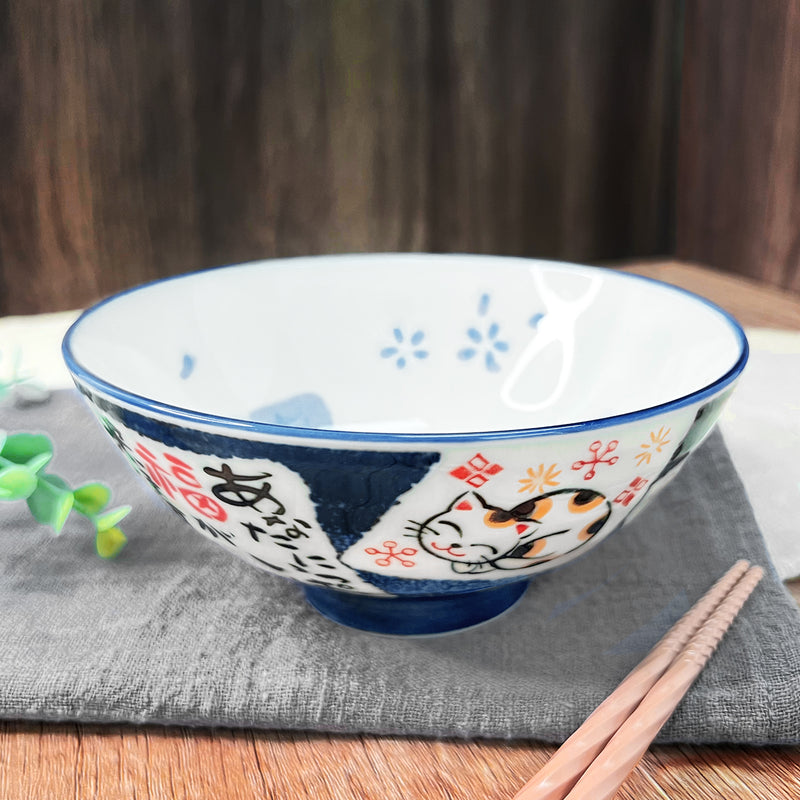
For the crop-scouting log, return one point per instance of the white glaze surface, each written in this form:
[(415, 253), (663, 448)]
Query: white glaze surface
[(408, 343)]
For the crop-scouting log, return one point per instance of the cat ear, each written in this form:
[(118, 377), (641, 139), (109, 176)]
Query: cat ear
[(522, 527), (462, 503), (482, 501)]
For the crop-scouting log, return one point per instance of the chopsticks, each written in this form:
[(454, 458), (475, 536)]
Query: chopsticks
[(593, 763)]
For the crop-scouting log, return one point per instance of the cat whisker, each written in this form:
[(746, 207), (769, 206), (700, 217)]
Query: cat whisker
[(419, 529)]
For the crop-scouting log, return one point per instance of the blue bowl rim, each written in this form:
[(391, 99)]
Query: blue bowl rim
[(188, 416)]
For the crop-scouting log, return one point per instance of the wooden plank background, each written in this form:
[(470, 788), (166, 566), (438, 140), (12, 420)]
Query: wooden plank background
[(149, 138), (739, 175)]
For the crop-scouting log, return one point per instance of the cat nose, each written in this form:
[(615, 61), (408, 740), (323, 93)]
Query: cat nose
[(456, 546)]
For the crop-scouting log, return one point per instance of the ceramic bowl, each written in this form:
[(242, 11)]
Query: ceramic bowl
[(410, 437)]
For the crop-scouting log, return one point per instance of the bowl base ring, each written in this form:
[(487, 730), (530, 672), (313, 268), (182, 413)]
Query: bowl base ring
[(414, 616)]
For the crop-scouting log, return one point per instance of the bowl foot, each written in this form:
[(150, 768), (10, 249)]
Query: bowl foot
[(414, 616)]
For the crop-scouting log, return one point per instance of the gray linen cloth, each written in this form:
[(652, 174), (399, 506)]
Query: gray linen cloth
[(177, 631)]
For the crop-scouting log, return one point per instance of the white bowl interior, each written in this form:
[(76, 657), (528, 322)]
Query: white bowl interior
[(407, 343)]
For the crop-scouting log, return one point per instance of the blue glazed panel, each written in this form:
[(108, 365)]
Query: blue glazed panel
[(303, 410), (348, 501)]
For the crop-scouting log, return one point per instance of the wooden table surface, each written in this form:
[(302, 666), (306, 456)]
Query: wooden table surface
[(54, 761)]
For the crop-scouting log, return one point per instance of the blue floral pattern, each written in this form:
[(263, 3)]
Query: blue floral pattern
[(404, 350), (484, 343), (485, 340), (187, 366), (535, 320)]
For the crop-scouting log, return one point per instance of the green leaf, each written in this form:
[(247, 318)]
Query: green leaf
[(16, 482), (51, 503), (2, 435), (23, 447), (91, 499), (111, 518), (109, 542), (37, 462), (56, 481)]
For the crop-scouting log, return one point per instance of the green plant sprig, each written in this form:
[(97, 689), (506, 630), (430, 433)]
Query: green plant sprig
[(19, 387), (16, 378), (23, 456)]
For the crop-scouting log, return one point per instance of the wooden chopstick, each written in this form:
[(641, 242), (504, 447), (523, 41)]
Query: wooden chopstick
[(579, 753), (608, 771)]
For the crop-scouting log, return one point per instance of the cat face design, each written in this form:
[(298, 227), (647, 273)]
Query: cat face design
[(476, 536)]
